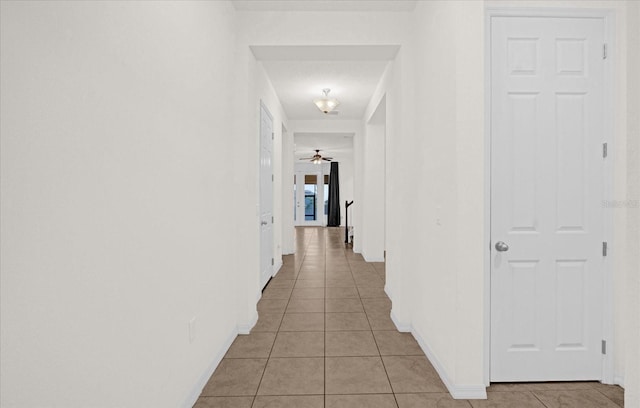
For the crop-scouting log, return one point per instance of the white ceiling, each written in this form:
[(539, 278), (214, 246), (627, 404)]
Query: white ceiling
[(300, 73), (336, 145), (298, 83), (325, 5)]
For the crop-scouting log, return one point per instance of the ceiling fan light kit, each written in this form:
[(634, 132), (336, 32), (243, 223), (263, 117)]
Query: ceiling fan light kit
[(317, 158), (326, 104)]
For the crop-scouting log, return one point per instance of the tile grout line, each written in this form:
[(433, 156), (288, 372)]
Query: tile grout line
[(255, 396)]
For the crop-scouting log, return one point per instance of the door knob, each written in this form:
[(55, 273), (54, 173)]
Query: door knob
[(263, 223), (501, 246)]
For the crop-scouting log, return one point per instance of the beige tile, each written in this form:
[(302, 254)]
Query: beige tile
[(614, 392), (307, 293), (312, 275), (309, 283), (370, 282), (393, 343), (350, 343), (235, 377), (502, 387), (574, 399), (559, 386), (380, 321), (289, 401), (341, 283), (341, 293), (281, 283), (313, 266), (356, 375), (299, 344), (276, 293), (305, 306), (272, 305), (339, 270), (372, 292), (289, 274), (343, 306), (346, 322), (361, 401), (303, 322), (377, 305), (224, 402), (412, 374), (509, 399), (293, 376), (430, 400), (254, 345), (267, 322)]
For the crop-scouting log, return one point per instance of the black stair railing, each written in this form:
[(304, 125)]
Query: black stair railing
[(346, 221)]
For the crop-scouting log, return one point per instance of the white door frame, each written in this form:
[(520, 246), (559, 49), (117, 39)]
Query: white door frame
[(263, 108), (607, 16)]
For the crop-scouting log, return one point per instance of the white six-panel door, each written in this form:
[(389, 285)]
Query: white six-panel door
[(546, 198), (266, 197)]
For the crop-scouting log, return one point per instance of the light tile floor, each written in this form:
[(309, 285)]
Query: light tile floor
[(324, 339)]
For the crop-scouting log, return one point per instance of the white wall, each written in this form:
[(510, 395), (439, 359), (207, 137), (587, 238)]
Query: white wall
[(374, 186), (288, 244), (438, 292), (117, 190), (252, 86), (632, 280)]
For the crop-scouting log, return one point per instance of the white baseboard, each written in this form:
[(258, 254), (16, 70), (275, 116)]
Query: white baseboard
[(197, 390), (402, 327), (372, 259), (277, 266), (464, 391), (246, 328), (619, 380), (388, 291)]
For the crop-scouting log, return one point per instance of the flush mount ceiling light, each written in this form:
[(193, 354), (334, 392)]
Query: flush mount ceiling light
[(326, 104)]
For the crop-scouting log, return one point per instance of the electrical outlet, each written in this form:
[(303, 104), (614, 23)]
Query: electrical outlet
[(192, 329)]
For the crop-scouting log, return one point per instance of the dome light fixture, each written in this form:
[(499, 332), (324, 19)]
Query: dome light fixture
[(326, 104)]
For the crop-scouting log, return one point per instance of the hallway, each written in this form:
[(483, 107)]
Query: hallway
[(324, 339)]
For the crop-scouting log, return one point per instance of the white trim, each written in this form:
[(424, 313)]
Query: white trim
[(487, 201), (608, 18), (204, 378), (402, 327), (374, 259), (608, 369), (619, 380), (276, 267), (465, 391), (246, 328)]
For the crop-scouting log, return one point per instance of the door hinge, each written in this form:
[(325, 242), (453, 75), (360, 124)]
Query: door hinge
[(272, 219), (272, 179), (272, 135), (604, 249), (604, 150), (604, 347), (271, 261), (604, 51)]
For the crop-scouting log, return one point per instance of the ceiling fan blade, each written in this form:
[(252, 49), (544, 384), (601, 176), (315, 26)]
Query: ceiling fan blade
[(327, 158)]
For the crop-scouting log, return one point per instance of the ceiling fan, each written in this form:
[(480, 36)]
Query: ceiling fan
[(317, 158)]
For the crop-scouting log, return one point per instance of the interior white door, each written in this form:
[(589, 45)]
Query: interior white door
[(547, 126), (266, 196)]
